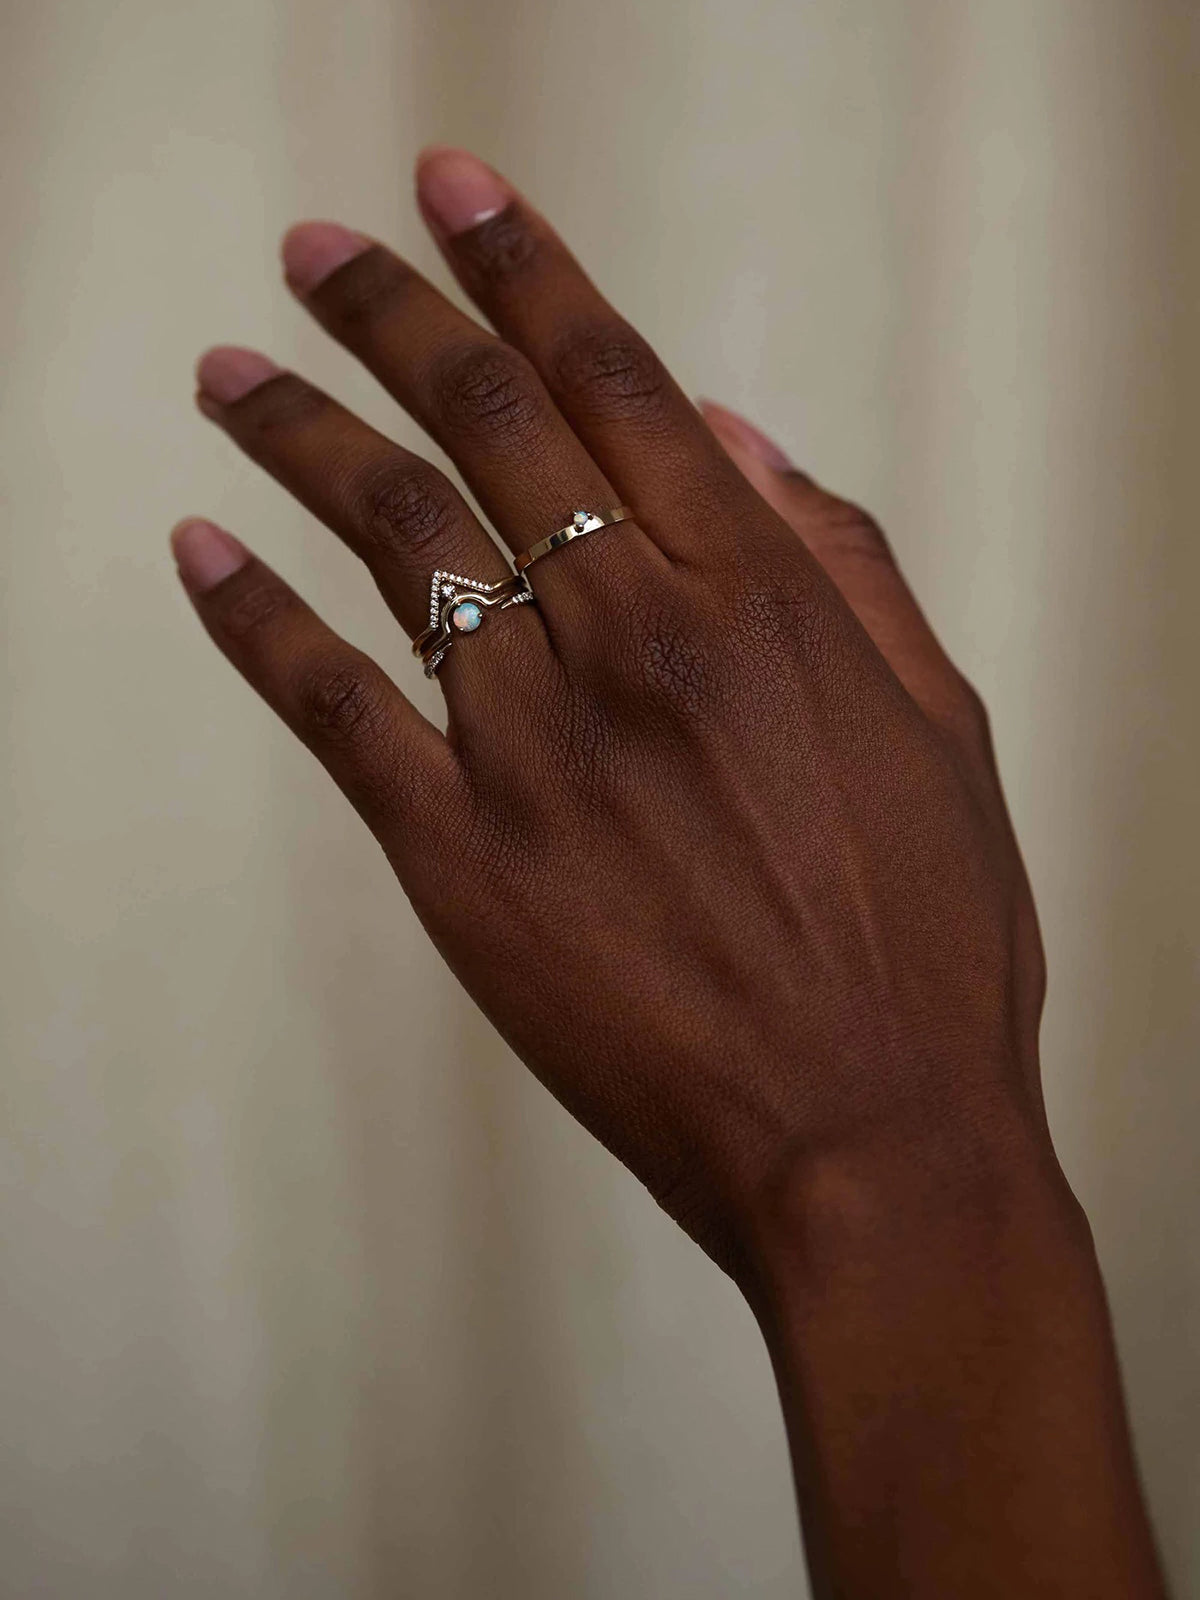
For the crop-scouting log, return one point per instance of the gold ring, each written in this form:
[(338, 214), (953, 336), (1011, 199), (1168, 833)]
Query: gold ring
[(583, 522)]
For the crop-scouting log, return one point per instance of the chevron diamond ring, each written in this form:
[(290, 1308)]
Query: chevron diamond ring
[(459, 605)]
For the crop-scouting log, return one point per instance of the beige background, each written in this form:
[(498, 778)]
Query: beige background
[(307, 1291)]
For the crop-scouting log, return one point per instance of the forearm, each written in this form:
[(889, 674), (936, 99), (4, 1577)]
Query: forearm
[(945, 1360)]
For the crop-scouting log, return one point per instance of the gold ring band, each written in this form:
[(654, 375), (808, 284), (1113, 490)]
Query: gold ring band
[(583, 522)]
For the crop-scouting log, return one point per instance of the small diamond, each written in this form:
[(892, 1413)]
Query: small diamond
[(466, 617)]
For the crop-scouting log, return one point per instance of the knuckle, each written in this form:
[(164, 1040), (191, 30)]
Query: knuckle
[(500, 248), (847, 531), (488, 390), (282, 403), (254, 607), (339, 701), (365, 289), (608, 372), (406, 508)]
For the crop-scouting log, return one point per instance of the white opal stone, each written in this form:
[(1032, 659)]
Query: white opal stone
[(466, 617)]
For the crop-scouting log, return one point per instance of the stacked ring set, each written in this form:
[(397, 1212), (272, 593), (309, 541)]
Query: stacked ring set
[(459, 605)]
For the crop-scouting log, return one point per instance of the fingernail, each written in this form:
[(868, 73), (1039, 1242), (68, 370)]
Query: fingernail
[(313, 250), (228, 372), (457, 191), (205, 554), (727, 425)]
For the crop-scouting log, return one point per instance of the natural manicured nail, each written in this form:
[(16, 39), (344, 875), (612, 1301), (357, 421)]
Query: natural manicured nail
[(229, 372), (736, 431), (313, 250), (205, 554), (457, 191)]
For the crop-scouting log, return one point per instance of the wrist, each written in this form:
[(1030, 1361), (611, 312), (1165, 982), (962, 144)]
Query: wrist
[(938, 1328), (983, 1192)]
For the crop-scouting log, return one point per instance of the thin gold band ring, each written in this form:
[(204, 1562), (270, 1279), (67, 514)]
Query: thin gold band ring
[(582, 523)]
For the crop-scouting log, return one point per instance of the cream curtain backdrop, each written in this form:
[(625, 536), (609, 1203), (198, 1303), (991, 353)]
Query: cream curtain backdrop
[(307, 1290)]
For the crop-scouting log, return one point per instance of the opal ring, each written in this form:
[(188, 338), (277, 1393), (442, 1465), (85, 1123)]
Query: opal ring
[(459, 605), (583, 522)]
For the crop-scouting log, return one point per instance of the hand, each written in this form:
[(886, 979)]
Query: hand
[(714, 836)]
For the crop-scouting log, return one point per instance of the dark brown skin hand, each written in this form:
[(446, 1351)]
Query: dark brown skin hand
[(715, 838)]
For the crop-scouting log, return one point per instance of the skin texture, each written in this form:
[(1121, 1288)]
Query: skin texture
[(715, 837)]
